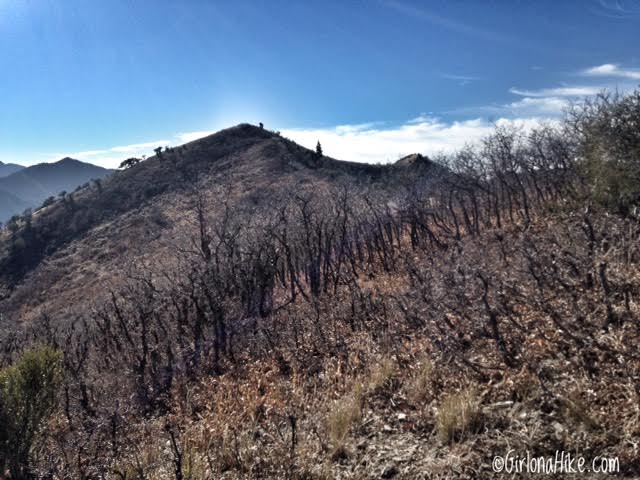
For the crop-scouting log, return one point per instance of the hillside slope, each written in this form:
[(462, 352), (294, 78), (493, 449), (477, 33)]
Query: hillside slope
[(77, 244), (243, 308)]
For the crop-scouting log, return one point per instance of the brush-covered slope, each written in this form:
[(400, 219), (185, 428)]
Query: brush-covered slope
[(66, 253)]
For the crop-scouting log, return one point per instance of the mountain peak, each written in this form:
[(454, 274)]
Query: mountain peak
[(415, 159), (242, 131)]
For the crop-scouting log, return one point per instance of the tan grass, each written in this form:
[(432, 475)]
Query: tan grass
[(344, 413), (576, 410), (421, 388), (459, 415), (381, 375)]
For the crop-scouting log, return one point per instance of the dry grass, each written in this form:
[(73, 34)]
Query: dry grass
[(577, 410), (421, 389), (382, 375), (238, 422), (459, 415), (343, 415)]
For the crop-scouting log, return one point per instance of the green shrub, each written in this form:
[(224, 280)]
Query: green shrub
[(613, 185), (28, 392), (610, 148)]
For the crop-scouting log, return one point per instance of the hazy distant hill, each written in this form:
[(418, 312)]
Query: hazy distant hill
[(29, 187), (7, 169), (10, 204)]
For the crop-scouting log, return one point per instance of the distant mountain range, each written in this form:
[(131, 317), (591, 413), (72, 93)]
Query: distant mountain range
[(7, 169), (27, 187)]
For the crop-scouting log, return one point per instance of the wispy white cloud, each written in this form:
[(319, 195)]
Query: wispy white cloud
[(617, 9), (444, 22), (551, 101), (539, 106), (426, 135), (347, 129), (526, 107), (423, 117), (88, 153), (612, 70), (371, 142), (186, 137), (577, 91), (140, 147), (111, 157), (461, 79), (554, 100), (380, 142)]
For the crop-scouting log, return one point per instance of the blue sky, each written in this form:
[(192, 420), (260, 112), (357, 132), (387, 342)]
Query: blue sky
[(372, 80)]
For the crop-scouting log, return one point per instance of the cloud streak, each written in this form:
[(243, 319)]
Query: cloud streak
[(443, 22), (372, 142), (527, 107), (552, 106), (381, 142), (426, 135), (578, 91), (186, 137), (617, 9), (111, 157), (612, 70), (461, 79)]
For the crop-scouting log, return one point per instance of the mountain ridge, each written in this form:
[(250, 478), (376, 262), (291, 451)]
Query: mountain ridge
[(30, 186), (128, 213), (7, 169)]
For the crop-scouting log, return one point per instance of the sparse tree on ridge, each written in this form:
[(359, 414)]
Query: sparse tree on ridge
[(319, 149), (129, 162), (48, 201)]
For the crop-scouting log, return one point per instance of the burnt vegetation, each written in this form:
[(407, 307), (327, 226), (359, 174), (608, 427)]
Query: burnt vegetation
[(385, 321)]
